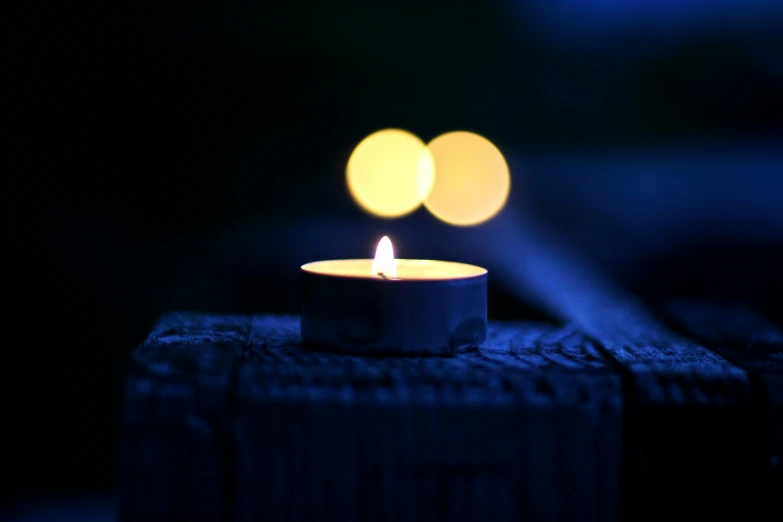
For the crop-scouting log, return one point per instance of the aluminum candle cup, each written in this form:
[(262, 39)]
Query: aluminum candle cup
[(412, 307)]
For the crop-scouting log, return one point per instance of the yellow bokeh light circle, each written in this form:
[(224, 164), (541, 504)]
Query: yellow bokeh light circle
[(472, 179), (390, 172)]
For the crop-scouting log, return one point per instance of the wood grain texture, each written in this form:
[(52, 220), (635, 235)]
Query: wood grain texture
[(505, 432), (229, 418), (683, 404), (526, 426), (174, 464), (745, 337)]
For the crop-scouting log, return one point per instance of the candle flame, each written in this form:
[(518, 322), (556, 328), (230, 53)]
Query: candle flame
[(384, 264)]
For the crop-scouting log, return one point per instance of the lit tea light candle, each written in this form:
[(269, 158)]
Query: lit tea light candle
[(393, 306)]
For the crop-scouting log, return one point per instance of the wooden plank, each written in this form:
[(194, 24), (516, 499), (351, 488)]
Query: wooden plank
[(742, 335), (527, 427), (682, 447), (682, 402), (175, 459)]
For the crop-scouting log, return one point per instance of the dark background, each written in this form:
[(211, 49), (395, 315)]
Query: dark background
[(185, 154)]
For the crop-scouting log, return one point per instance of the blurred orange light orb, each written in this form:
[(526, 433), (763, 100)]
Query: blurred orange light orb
[(472, 179)]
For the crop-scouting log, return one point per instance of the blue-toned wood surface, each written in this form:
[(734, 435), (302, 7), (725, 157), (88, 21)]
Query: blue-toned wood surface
[(756, 345), (228, 418)]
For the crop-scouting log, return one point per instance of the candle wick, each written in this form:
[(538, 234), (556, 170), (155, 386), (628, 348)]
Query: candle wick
[(382, 275)]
